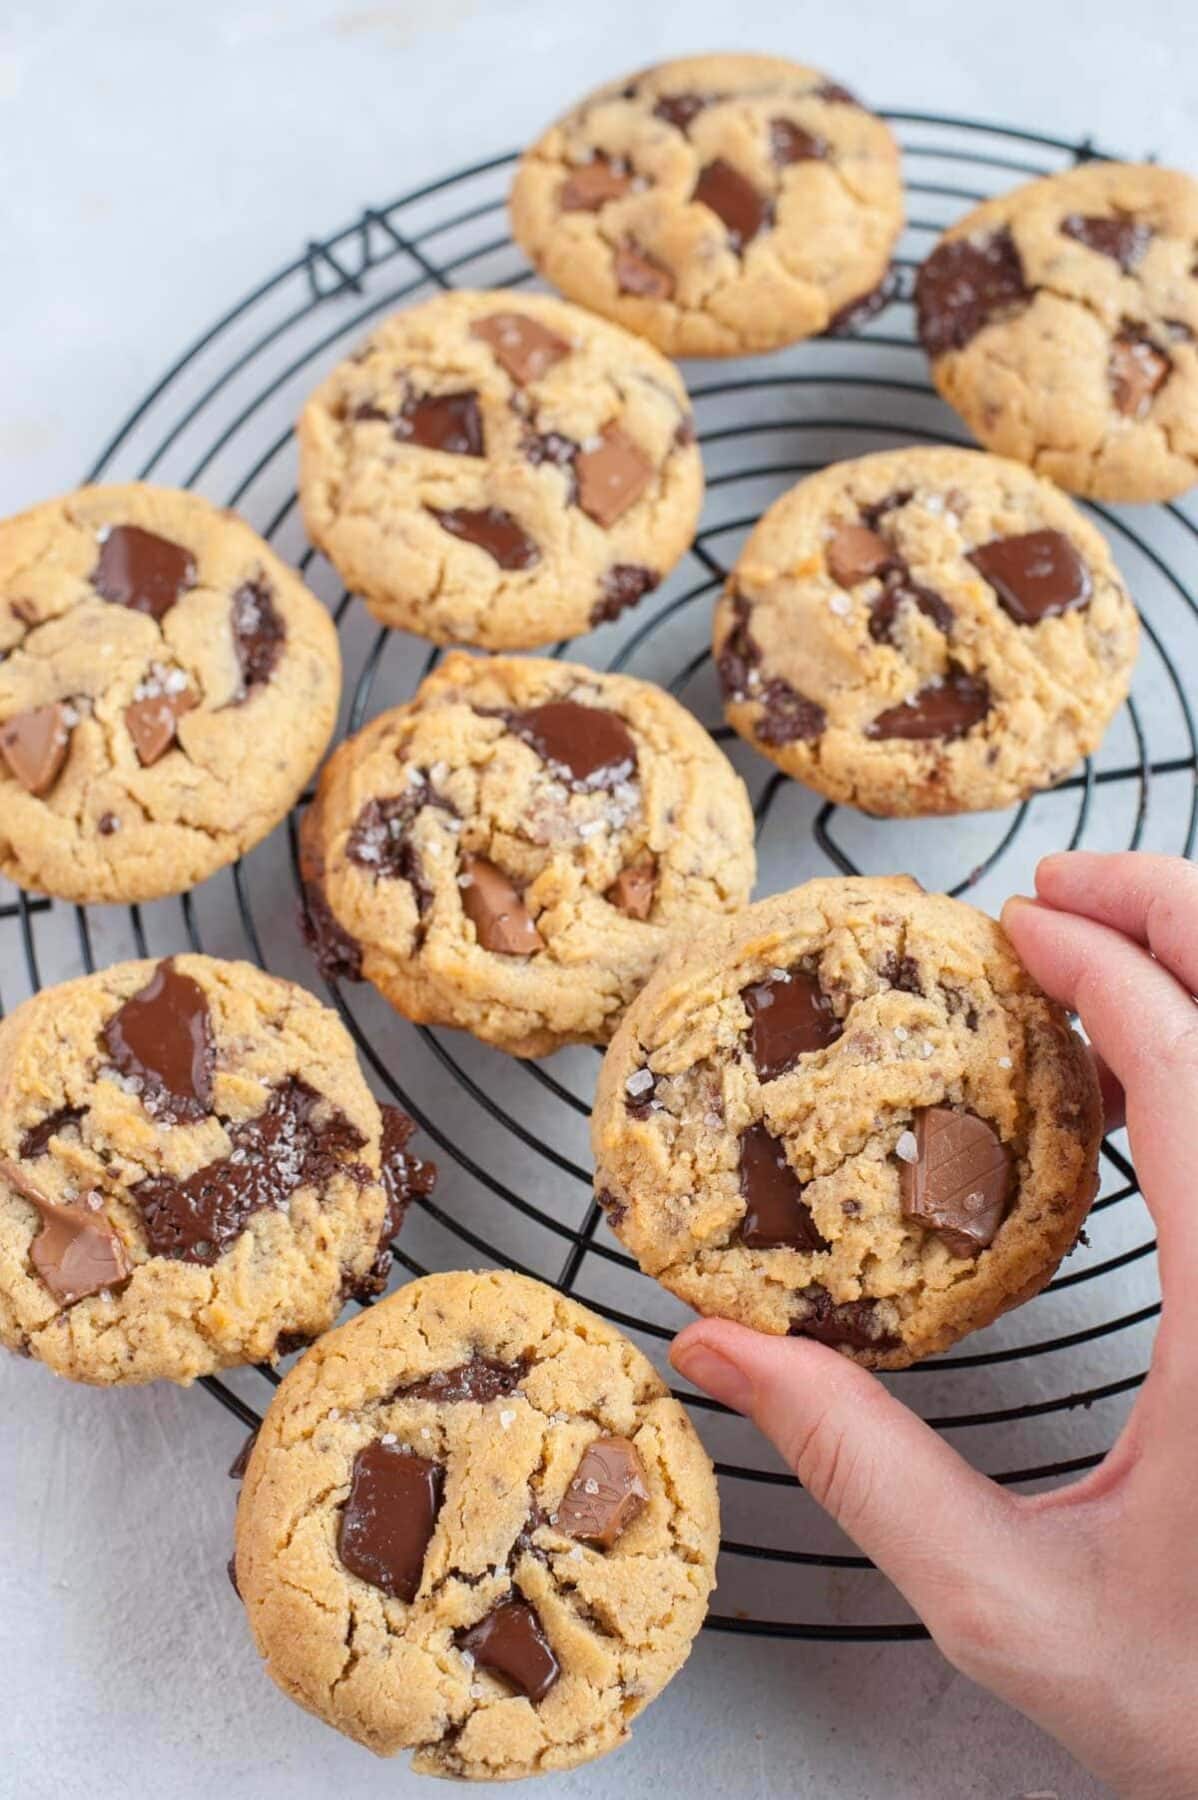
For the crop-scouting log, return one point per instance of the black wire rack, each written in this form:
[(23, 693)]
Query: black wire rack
[(1039, 1396)]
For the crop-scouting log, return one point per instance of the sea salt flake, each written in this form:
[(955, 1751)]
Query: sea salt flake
[(1004, 1062), (906, 1148), (840, 604), (507, 1420), (590, 1486), (901, 1033), (927, 1050), (388, 1437), (640, 1082)]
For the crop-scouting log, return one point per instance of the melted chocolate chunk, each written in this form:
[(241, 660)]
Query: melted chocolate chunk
[(388, 1520), (449, 422), (621, 587), (36, 1140), (338, 955), (284, 1148), (789, 143), (776, 1216), (963, 286), (478, 1381), (637, 272), (512, 1642), (241, 1461), (34, 745), (901, 972), (491, 529), (1035, 575), (405, 1178), (142, 571), (853, 1323), (960, 1180), (161, 1040), (855, 313), (789, 1015), (589, 747), (900, 591), (735, 202), (380, 840), (787, 716), (590, 186), (494, 907), (1120, 236), (679, 110), (611, 476), (77, 1253), (944, 709), (258, 635), (523, 347), (607, 1491), (1137, 370)]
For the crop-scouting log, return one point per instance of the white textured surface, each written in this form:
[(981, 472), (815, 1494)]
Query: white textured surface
[(159, 158)]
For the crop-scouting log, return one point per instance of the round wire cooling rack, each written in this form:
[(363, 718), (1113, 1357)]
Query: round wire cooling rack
[(1044, 1391)]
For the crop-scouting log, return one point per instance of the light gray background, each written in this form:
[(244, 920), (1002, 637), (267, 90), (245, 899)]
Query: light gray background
[(158, 159)]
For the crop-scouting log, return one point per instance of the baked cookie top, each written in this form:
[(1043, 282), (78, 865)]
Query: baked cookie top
[(925, 631), (475, 1524), (513, 850), (145, 637), (716, 204), (848, 1114), (193, 1172), (500, 469), (1062, 323)]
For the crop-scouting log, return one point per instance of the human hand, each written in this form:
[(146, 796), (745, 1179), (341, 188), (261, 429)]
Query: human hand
[(1079, 1607)]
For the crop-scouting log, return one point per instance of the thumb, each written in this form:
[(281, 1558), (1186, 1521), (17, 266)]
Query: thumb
[(942, 1532)]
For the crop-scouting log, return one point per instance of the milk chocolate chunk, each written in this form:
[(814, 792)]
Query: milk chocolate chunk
[(960, 1180), (161, 1040), (493, 530), (36, 1140), (900, 591), (521, 345), (621, 587), (945, 709), (496, 911), (855, 554), (142, 571), (448, 422), (590, 186), (1035, 575), (789, 143), (589, 747), (776, 1216), (637, 272), (511, 1641), (34, 745), (678, 110), (152, 721), (1137, 369), (482, 1379), (789, 1015), (612, 476), (258, 634), (605, 1494), (634, 888), (76, 1252), (854, 1323), (963, 286), (1120, 236), (387, 1523), (734, 200)]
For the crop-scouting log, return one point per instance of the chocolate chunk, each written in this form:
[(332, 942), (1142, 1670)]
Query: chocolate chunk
[(379, 840), (678, 110), (1137, 369), (614, 1210), (152, 720), (835, 94), (634, 888), (963, 286), (640, 1094), (854, 1323), (107, 824), (404, 1177), (36, 1140), (789, 1015), (637, 272), (855, 554), (876, 511), (448, 422), (76, 1252), (1121, 237), (612, 476), (161, 1040), (621, 587), (285, 1147), (787, 716), (855, 313), (34, 745), (560, 451), (589, 747), (493, 530), (338, 955), (231, 1572), (258, 634), (141, 570), (590, 186), (734, 200), (901, 972), (479, 1381), (387, 1523), (241, 1461), (496, 911), (522, 346), (944, 709), (960, 1180), (899, 591), (1035, 575), (606, 1493), (789, 143), (512, 1642), (776, 1216)]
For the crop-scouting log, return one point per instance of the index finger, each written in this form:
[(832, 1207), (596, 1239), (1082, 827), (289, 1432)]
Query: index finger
[(1153, 899)]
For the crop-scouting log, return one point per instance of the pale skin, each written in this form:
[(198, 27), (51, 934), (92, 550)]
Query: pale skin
[(1078, 1607)]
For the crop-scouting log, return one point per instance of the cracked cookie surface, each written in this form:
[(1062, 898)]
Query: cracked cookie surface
[(1062, 323), (513, 850), (145, 635), (193, 1173), (848, 1114), (925, 631), (474, 1524), (717, 204), (500, 469)]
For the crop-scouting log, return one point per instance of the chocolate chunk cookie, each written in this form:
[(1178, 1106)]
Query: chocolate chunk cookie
[(717, 204), (848, 1114), (925, 631), (500, 469), (1062, 319), (146, 637), (512, 851), (193, 1173), (475, 1525)]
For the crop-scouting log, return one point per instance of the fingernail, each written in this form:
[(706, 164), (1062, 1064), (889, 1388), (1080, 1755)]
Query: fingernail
[(714, 1374)]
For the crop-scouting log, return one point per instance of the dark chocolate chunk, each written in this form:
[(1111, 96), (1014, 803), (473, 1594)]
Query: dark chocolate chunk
[(512, 1642), (835, 94), (639, 273), (405, 1178), (1035, 575), (241, 1461), (613, 1209), (480, 1380), (554, 448), (854, 1323), (591, 185), (1120, 236), (449, 422), (612, 476), (634, 888), (640, 1093), (338, 954), (379, 841), (944, 709), (963, 286), (621, 587), (901, 972), (776, 1216), (679, 110), (521, 345), (787, 716), (734, 200), (960, 1181), (789, 1015), (859, 311), (36, 1140), (855, 554), (876, 511), (589, 747), (607, 1491), (141, 570), (231, 1572), (76, 1252), (387, 1523), (34, 745), (1136, 371), (492, 530), (789, 143), (161, 1040), (258, 634), (496, 910), (899, 591), (107, 824)]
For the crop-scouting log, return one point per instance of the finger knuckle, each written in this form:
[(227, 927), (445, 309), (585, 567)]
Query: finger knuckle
[(832, 1469)]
